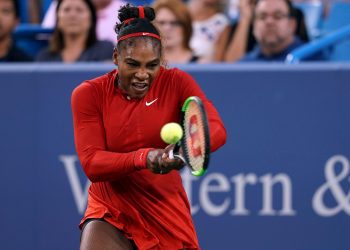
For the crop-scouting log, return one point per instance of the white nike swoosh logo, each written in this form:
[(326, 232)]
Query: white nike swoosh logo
[(151, 102)]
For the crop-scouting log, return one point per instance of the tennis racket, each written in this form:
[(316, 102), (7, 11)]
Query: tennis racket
[(195, 143)]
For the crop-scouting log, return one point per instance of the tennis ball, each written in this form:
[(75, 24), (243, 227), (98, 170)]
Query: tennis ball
[(171, 133)]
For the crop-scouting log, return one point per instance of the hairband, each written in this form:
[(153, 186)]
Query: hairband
[(138, 34), (141, 15), (128, 20)]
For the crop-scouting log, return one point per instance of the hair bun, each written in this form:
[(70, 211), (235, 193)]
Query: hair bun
[(128, 11)]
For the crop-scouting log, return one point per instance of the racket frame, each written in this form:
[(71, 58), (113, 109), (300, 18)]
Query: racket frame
[(182, 143)]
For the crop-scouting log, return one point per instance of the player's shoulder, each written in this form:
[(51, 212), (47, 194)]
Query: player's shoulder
[(103, 80), (97, 84), (171, 71), (173, 74)]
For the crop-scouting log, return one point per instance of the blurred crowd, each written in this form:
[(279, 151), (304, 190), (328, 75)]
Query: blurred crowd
[(193, 31)]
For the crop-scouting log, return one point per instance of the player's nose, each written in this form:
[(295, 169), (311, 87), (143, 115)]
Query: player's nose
[(142, 75)]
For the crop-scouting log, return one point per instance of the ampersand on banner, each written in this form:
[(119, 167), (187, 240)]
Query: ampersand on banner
[(333, 185)]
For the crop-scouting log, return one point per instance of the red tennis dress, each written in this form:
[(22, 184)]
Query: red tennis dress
[(113, 134)]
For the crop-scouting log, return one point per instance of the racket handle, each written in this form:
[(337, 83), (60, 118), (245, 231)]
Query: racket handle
[(171, 154), (175, 149)]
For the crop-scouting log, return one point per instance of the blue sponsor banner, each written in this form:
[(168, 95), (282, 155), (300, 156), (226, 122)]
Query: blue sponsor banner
[(280, 182)]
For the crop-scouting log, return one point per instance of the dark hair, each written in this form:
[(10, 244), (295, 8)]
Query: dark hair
[(132, 22), (301, 29), (289, 6), (15, 4), (57, 41), (180, 10)]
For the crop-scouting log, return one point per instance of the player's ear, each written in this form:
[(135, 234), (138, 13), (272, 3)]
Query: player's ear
[(115, 56)]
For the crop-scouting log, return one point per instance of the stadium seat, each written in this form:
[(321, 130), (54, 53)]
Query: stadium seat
[(23, 11), (140, 2), (313, 17), (339, 16), (45, 6), (321, 44), (31, 38)]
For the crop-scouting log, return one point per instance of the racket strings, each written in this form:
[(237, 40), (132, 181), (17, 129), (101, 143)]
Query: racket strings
[(195, 136)]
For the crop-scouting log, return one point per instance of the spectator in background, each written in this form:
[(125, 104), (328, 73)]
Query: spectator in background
[(9, 18), (274, 29), (209, 21), (175, 25), (106, 18), (237, 39), (74, 37)]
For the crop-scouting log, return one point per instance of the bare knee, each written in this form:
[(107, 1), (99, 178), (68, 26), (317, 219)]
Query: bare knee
[(99, 234)]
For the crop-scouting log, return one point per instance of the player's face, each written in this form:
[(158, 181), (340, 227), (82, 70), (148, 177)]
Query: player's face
[(74, 17), (8, 20), (138, 64), (273, 26)]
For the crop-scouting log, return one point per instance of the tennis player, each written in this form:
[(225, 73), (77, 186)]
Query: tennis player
[(136, 199)]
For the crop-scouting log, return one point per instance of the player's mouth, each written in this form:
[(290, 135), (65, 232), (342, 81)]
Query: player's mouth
[(139, 87)]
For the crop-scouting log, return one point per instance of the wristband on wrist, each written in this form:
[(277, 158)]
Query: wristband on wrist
[(140, 158)]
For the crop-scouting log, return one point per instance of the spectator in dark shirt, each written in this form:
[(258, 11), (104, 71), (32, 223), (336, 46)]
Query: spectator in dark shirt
[(237, 39), (274, 30), (9, 18), (74, 38)]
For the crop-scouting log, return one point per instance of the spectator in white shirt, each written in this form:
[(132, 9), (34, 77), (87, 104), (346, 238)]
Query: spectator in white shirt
[(209, 21)]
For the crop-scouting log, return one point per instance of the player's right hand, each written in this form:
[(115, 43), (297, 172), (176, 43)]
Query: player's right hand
[(158, 161)]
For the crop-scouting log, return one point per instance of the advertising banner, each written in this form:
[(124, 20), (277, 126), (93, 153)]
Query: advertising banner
[(280, 182)]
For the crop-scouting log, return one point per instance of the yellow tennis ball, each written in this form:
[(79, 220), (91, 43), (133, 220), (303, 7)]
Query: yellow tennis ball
[(171, 133)]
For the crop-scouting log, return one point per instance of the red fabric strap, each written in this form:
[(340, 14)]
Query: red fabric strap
[(138, 34), (128, 20), (141, 12)]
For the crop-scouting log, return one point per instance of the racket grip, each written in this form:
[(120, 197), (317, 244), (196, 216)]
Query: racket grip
[(175, 149), (171, 154)]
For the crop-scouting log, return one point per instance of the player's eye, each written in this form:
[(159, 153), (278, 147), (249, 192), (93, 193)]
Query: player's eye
[(153, 65), (132, 64)]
